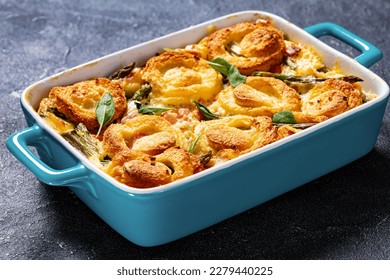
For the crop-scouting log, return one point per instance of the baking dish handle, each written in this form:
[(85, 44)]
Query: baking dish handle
[(18, 144), (370, 54)]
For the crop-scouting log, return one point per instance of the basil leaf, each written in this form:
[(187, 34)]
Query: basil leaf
[(105, 110), (147, 110), (205, 112), (220, 67), (193, 145), (285, 116), (227, 69)]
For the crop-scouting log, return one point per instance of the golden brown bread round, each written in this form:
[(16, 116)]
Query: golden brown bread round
[(181, 162), (232, 136), (78, 102), (259, 96), (137, 170), (145, 133), (332, 98), (142, 174), (178, 77), (154, 144), (261, 46)]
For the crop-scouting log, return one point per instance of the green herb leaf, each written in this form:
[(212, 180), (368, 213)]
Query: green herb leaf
[(193, 145), (143, 92), (227, 69), (105, 110), (147, 110), (285, 116), (221, 68), (205, 111)]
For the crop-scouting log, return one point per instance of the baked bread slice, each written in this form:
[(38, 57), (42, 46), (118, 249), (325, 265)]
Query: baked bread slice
[(250, 46), (78, 101)]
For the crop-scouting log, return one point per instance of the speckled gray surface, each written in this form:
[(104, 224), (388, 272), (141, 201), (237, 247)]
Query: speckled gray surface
[(343, 215)]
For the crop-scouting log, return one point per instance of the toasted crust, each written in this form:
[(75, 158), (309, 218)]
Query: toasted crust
[(141, 174), (78, 102), (258, 97), (178, 77), (332, 98), (140, 171), (261, 44), (155, 144), (233, 136), (145, 133), (179, 161), (303, 117)]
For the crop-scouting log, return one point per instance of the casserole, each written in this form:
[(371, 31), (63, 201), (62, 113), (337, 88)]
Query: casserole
[(150, 217)]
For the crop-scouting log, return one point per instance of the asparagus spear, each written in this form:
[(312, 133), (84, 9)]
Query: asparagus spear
[(303, 79), (204, 159), (295, 125), (83, 141), (143, 92), (121, 73)]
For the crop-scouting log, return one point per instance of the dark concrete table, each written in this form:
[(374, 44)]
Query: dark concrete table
[(343, 215)]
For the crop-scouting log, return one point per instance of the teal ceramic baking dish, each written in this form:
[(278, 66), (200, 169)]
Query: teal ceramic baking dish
[(150, 217)]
